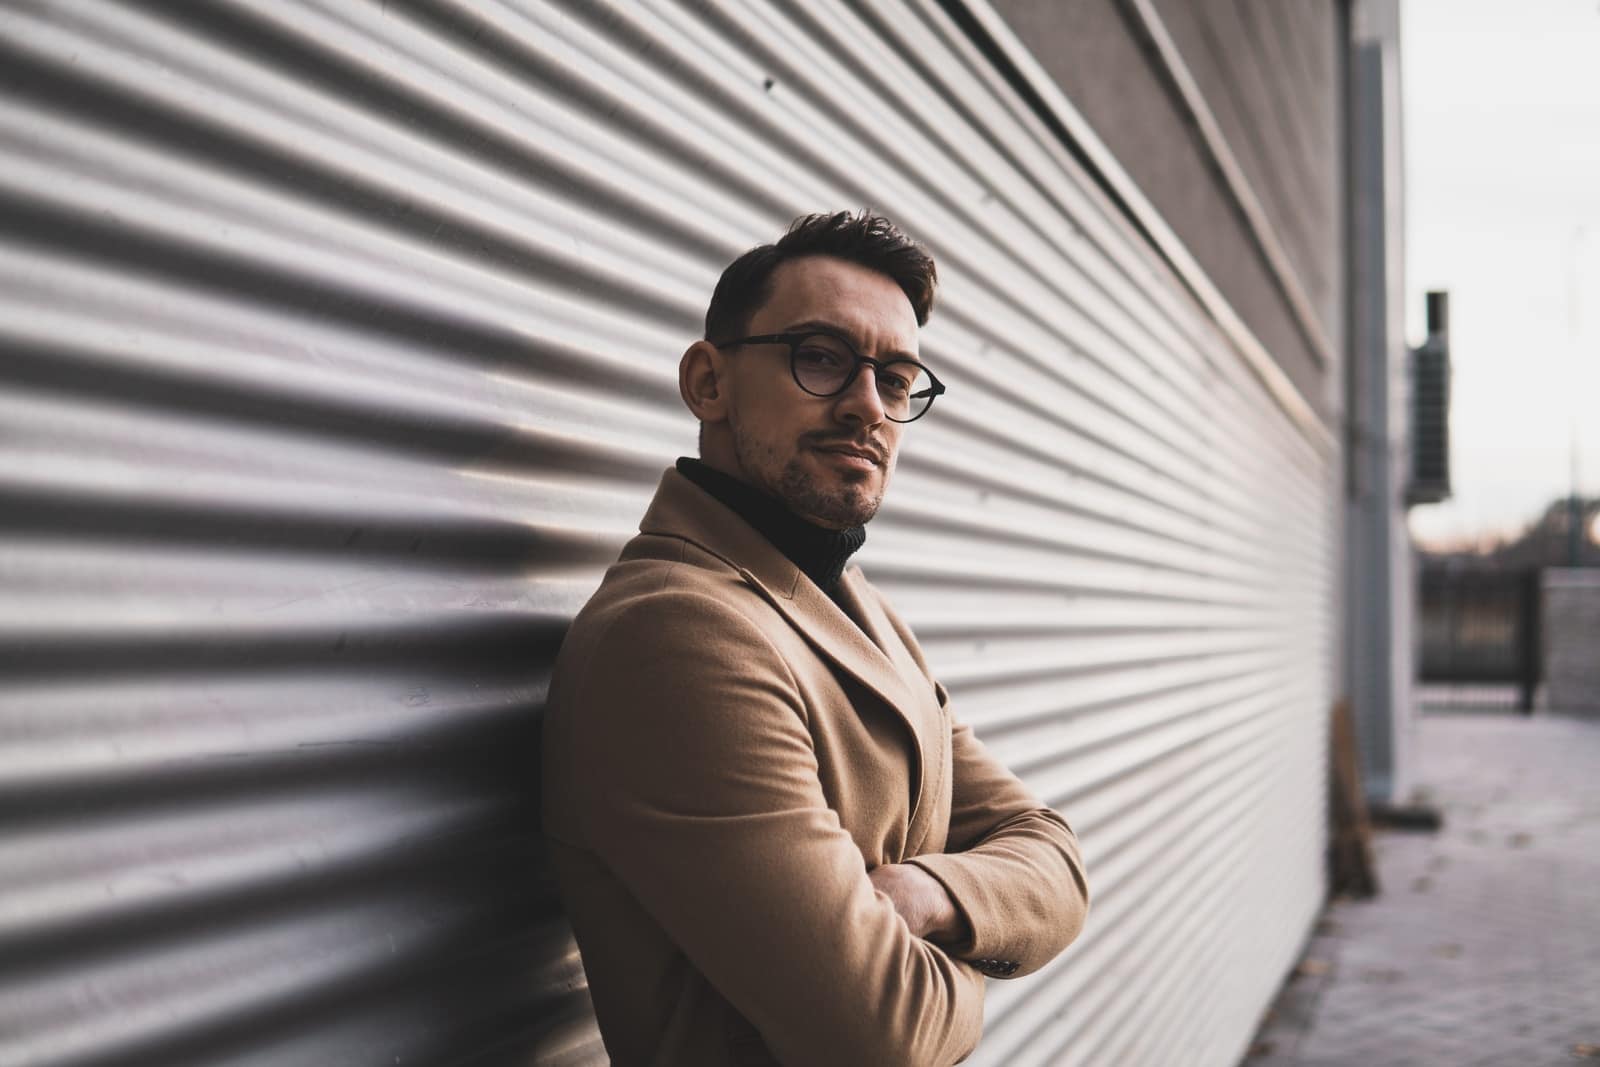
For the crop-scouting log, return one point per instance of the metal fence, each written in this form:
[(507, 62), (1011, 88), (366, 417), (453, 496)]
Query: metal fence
[(1480, 635)]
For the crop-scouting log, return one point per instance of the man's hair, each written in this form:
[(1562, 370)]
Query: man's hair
[(869, 240)]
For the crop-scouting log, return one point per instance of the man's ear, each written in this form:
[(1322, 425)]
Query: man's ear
[(702, 382)]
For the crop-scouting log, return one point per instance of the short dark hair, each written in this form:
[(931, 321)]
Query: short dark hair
[(859, 237)]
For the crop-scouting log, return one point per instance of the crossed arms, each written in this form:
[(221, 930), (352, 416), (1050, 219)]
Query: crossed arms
[(701, 791)]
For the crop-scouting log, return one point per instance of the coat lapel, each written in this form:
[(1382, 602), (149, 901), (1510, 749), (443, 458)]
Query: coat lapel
[(865, 609), (926, 719), (837, 636), (683, 509)]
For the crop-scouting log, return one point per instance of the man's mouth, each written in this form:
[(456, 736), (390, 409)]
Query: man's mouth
[(863, 457)]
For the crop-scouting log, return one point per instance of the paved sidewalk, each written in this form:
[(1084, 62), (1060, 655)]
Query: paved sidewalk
[(1484, 948)]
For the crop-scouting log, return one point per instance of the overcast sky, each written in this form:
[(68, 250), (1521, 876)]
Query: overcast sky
[(1502, 132)]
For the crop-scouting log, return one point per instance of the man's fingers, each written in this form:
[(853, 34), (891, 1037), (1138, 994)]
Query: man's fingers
[(911, 891), (887, 881)]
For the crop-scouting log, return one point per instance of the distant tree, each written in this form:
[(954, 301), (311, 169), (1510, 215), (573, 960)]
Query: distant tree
[(1543, 543)]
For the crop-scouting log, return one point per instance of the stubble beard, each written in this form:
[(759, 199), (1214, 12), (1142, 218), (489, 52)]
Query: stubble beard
[(851, 502)]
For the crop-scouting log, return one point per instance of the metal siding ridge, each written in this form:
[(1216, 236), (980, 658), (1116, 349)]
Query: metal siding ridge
[(1059, 200), (1174, 832), (1261, 229), (1063, 482), (1073, 737), (1238, 333)]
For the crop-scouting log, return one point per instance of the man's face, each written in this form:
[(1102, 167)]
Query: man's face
[(828, 458)]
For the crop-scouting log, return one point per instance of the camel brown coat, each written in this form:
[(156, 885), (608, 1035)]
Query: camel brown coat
[(727, 753)]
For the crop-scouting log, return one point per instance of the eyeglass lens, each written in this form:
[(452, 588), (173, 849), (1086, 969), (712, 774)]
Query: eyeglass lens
[(824, 365)]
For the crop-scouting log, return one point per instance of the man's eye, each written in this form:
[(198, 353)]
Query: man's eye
[(893, 384), (818, 357)]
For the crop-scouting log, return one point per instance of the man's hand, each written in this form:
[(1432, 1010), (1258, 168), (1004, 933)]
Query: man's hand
[(922, 901)]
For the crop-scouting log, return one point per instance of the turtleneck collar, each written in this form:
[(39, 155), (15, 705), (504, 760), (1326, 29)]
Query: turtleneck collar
[(819, 552)]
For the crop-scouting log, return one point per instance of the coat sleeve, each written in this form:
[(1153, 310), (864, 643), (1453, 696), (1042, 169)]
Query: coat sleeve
[(700, 791), (1012, 865)]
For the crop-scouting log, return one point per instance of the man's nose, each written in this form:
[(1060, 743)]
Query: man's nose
[(860, 401)]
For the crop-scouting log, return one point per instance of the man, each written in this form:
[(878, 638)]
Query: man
[(774, 841)]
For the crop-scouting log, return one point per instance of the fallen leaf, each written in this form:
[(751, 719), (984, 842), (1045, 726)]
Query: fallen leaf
[(1382, 975)]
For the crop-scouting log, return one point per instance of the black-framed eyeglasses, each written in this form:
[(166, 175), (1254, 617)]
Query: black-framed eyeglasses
[(824, 364)]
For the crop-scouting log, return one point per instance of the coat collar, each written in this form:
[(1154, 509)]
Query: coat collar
[(682, 509)]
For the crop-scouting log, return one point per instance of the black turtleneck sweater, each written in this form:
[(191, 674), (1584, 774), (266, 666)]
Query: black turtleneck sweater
[(819, 552)]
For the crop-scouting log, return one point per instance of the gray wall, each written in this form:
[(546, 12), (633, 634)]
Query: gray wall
[(1270, 76), (1571, 640)]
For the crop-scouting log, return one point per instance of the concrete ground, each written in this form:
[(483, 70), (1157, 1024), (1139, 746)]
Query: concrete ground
[(1483, 949)]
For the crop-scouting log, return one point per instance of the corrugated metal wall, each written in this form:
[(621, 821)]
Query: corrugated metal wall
[(338, 345), (1192, 97), (1269, 76)]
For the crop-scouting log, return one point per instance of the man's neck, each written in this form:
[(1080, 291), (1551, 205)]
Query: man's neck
[(818, 551)]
